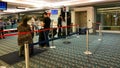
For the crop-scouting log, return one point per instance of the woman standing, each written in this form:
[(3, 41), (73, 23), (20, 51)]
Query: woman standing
[(24, 35)]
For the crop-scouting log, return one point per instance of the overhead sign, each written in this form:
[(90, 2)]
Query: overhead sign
[(54, 12), (3, 5)]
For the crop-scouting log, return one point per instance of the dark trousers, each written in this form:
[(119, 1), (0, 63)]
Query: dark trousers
[(41, 38), (2, 33), (68, 30), (63, 32), (32, 33), (46, 38), (22, 52), (53, 32), (59, 31)]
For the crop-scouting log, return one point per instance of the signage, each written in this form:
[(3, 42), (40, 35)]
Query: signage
[(3, 5), (54, 12)]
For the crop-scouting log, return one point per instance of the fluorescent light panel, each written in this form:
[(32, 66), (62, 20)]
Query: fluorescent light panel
[(39, 4)]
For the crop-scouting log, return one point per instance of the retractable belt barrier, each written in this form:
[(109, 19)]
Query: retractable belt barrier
[(87, 52), (53, 38), (100, 31), (23, 33)]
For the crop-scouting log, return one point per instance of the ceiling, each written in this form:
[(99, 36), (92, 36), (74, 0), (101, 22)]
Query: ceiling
[(28, 5)]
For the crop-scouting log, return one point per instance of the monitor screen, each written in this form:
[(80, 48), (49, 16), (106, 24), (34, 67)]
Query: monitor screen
[(54, 12), (3, 5)]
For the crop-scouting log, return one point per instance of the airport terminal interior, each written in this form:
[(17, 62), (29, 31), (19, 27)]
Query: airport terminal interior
[(88, 36)]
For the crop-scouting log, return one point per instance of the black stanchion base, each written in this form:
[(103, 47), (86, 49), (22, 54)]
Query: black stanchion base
[(66, 42)]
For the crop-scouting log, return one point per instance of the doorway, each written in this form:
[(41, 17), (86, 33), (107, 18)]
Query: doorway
[(109, 17), (81, 18)]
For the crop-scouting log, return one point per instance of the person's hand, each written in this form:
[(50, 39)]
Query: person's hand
[(42, 24)]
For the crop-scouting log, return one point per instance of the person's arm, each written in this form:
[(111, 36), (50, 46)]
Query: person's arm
[(42, 24)]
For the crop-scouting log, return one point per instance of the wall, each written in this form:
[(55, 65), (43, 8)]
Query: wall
[(90, 16)]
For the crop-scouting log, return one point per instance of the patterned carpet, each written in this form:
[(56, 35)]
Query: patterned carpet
[(105, 53)]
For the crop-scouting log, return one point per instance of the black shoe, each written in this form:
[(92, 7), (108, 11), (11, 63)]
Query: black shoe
[(21, 55), (40, 46)]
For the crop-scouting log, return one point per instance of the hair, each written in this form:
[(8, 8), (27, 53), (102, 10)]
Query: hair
[(25, 19), (45, 13)]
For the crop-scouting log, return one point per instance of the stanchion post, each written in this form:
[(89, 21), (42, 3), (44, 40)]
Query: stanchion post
[(26, 55), (100, 30), (66, 39), (78, 31), (100, 34), (52, 46), (87, 43), (66, 24)]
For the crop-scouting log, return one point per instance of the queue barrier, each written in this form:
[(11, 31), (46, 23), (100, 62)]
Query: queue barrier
[(100, 31), (52, 39), (87, 52), (26, 48), (15, 30)]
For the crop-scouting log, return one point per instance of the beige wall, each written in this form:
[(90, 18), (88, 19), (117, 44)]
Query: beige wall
[(90, 16)]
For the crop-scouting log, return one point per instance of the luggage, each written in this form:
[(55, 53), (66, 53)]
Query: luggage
[(82, 30)]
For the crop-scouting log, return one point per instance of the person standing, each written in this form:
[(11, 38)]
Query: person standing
[(2, 29), (59, 25), (46, 26), (23, 27), (68, 24)]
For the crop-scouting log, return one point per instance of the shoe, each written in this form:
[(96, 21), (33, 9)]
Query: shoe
[(40, 46), (21, 55), (52, 46), (44, 47)]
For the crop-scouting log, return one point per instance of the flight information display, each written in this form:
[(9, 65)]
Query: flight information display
[(54, 12), (3, 5)]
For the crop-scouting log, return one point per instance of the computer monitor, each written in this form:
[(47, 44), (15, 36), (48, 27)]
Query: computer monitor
[(3, 5)]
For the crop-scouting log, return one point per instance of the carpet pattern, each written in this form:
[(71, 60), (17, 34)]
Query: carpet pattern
[(105, 53)]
